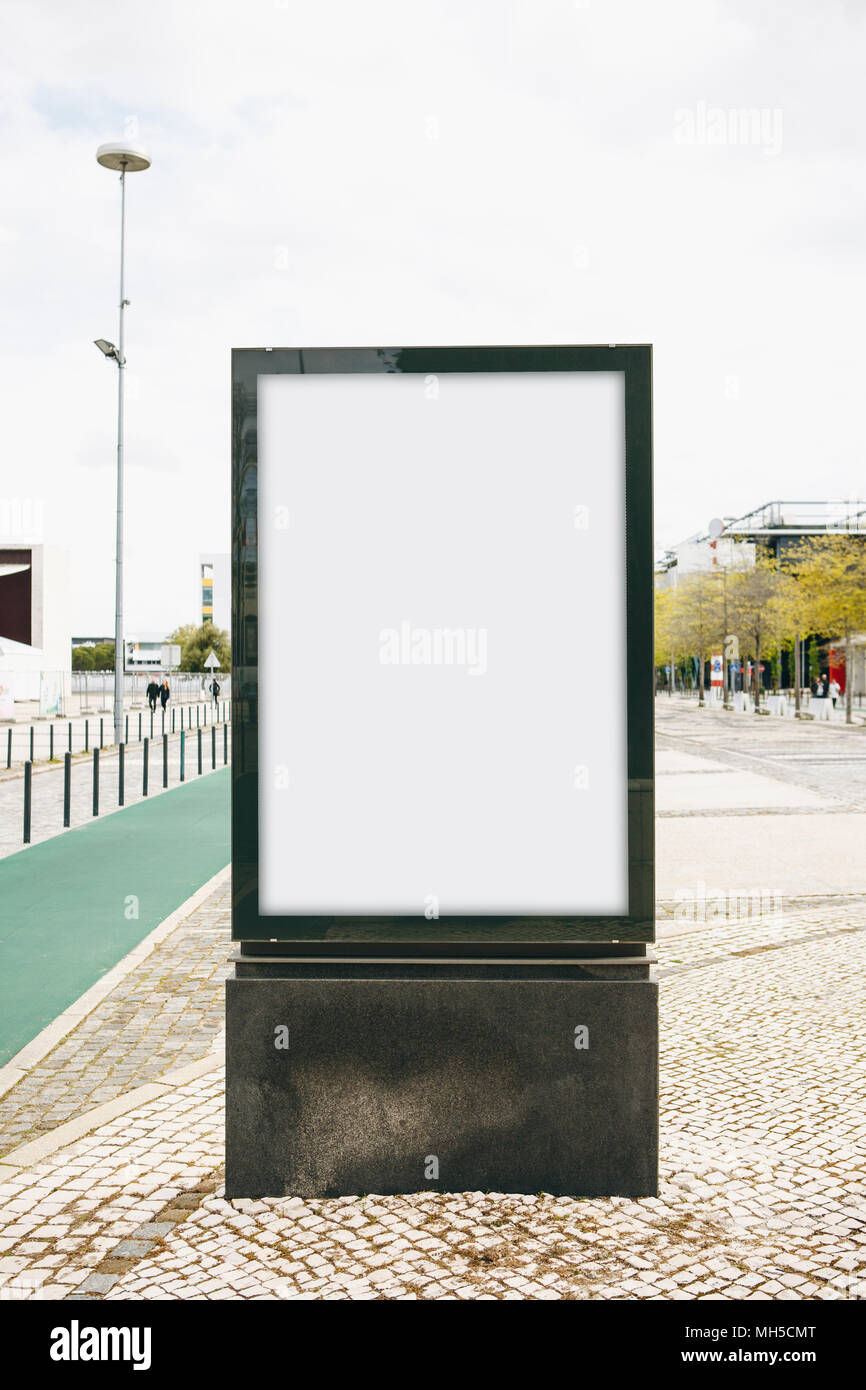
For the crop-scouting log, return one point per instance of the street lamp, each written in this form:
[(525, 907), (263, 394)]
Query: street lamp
[(127, 159)]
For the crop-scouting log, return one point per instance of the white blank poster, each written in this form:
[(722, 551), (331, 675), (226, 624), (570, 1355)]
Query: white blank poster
[(442, 644)]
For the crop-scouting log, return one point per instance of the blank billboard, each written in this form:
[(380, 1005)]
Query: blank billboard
[(442, 644)]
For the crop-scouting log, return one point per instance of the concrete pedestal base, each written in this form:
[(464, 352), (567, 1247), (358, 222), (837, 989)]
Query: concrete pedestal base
[(339, 1086)]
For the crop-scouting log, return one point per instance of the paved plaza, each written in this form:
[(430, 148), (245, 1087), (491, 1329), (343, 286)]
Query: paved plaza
[(111, 1138)]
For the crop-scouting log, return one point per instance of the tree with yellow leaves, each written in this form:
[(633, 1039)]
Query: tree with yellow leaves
[(755, 603), (698, 619), (830, 574)]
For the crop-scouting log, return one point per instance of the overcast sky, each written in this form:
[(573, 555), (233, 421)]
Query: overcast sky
[(453, 171)]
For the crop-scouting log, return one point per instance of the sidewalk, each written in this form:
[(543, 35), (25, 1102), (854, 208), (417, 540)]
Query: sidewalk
[(76, 904), (761, 1123)]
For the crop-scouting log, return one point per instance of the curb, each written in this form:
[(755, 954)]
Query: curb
[(37, 1150)]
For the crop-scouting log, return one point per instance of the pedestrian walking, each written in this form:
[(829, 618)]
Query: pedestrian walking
[(214, 689), (822, 698), (152, 694), (835, 690), (164, 694)]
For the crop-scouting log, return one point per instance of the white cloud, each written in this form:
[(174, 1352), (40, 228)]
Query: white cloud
[(501, 171)]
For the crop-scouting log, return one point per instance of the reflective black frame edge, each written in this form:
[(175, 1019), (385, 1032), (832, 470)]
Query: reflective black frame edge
[(409, 936)]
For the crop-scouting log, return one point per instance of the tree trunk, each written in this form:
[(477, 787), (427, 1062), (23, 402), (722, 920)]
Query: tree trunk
[(797, 673), (700, 682), (849, 683), (756, 674)]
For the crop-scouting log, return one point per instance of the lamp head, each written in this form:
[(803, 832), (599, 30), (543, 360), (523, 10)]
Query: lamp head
[(106, 347), (122, 156)]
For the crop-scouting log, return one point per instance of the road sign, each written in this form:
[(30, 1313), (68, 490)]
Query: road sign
[(732, 648), (212, 662)]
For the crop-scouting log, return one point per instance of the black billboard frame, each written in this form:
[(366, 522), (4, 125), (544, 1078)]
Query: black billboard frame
[(394, 937)]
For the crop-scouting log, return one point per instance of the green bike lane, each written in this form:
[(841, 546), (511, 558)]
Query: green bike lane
[(73, 906)]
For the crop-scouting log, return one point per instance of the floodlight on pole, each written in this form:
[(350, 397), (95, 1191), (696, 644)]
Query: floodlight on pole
[(124, 159)]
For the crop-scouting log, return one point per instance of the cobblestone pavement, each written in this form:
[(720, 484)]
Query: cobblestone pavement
[(828, 758), (164, 1014), (762, 1176), (47, 785)]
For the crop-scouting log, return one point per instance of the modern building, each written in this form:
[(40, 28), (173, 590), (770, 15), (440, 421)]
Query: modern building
[(149, 651), (35, 631), (216, 590), (775, 525)]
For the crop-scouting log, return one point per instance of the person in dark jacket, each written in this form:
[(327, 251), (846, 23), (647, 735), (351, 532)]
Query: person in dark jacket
[(164, 694), (152, 695), (214, 689)]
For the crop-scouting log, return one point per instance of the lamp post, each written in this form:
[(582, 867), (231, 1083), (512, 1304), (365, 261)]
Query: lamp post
[(127, 159)]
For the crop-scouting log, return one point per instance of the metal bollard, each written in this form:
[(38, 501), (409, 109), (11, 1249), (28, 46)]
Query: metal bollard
[(121, 768), (67, 788), (165, 760), (212, 746), (31, 743), (181, 754), (9, 748), (225, 744), (126, 730), (28, 769), (198, 731), (51, 743), (100, 731), (96, 781), (69, 745), (87, 735), (145, 750), (139, 727)]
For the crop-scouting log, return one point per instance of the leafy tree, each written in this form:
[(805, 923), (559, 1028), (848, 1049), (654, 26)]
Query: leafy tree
[(669, 647), (196, 644), (833, 570), (103, 656), (698, 619), (82, 658), (98, 658), (800, 606), (754, 600)]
